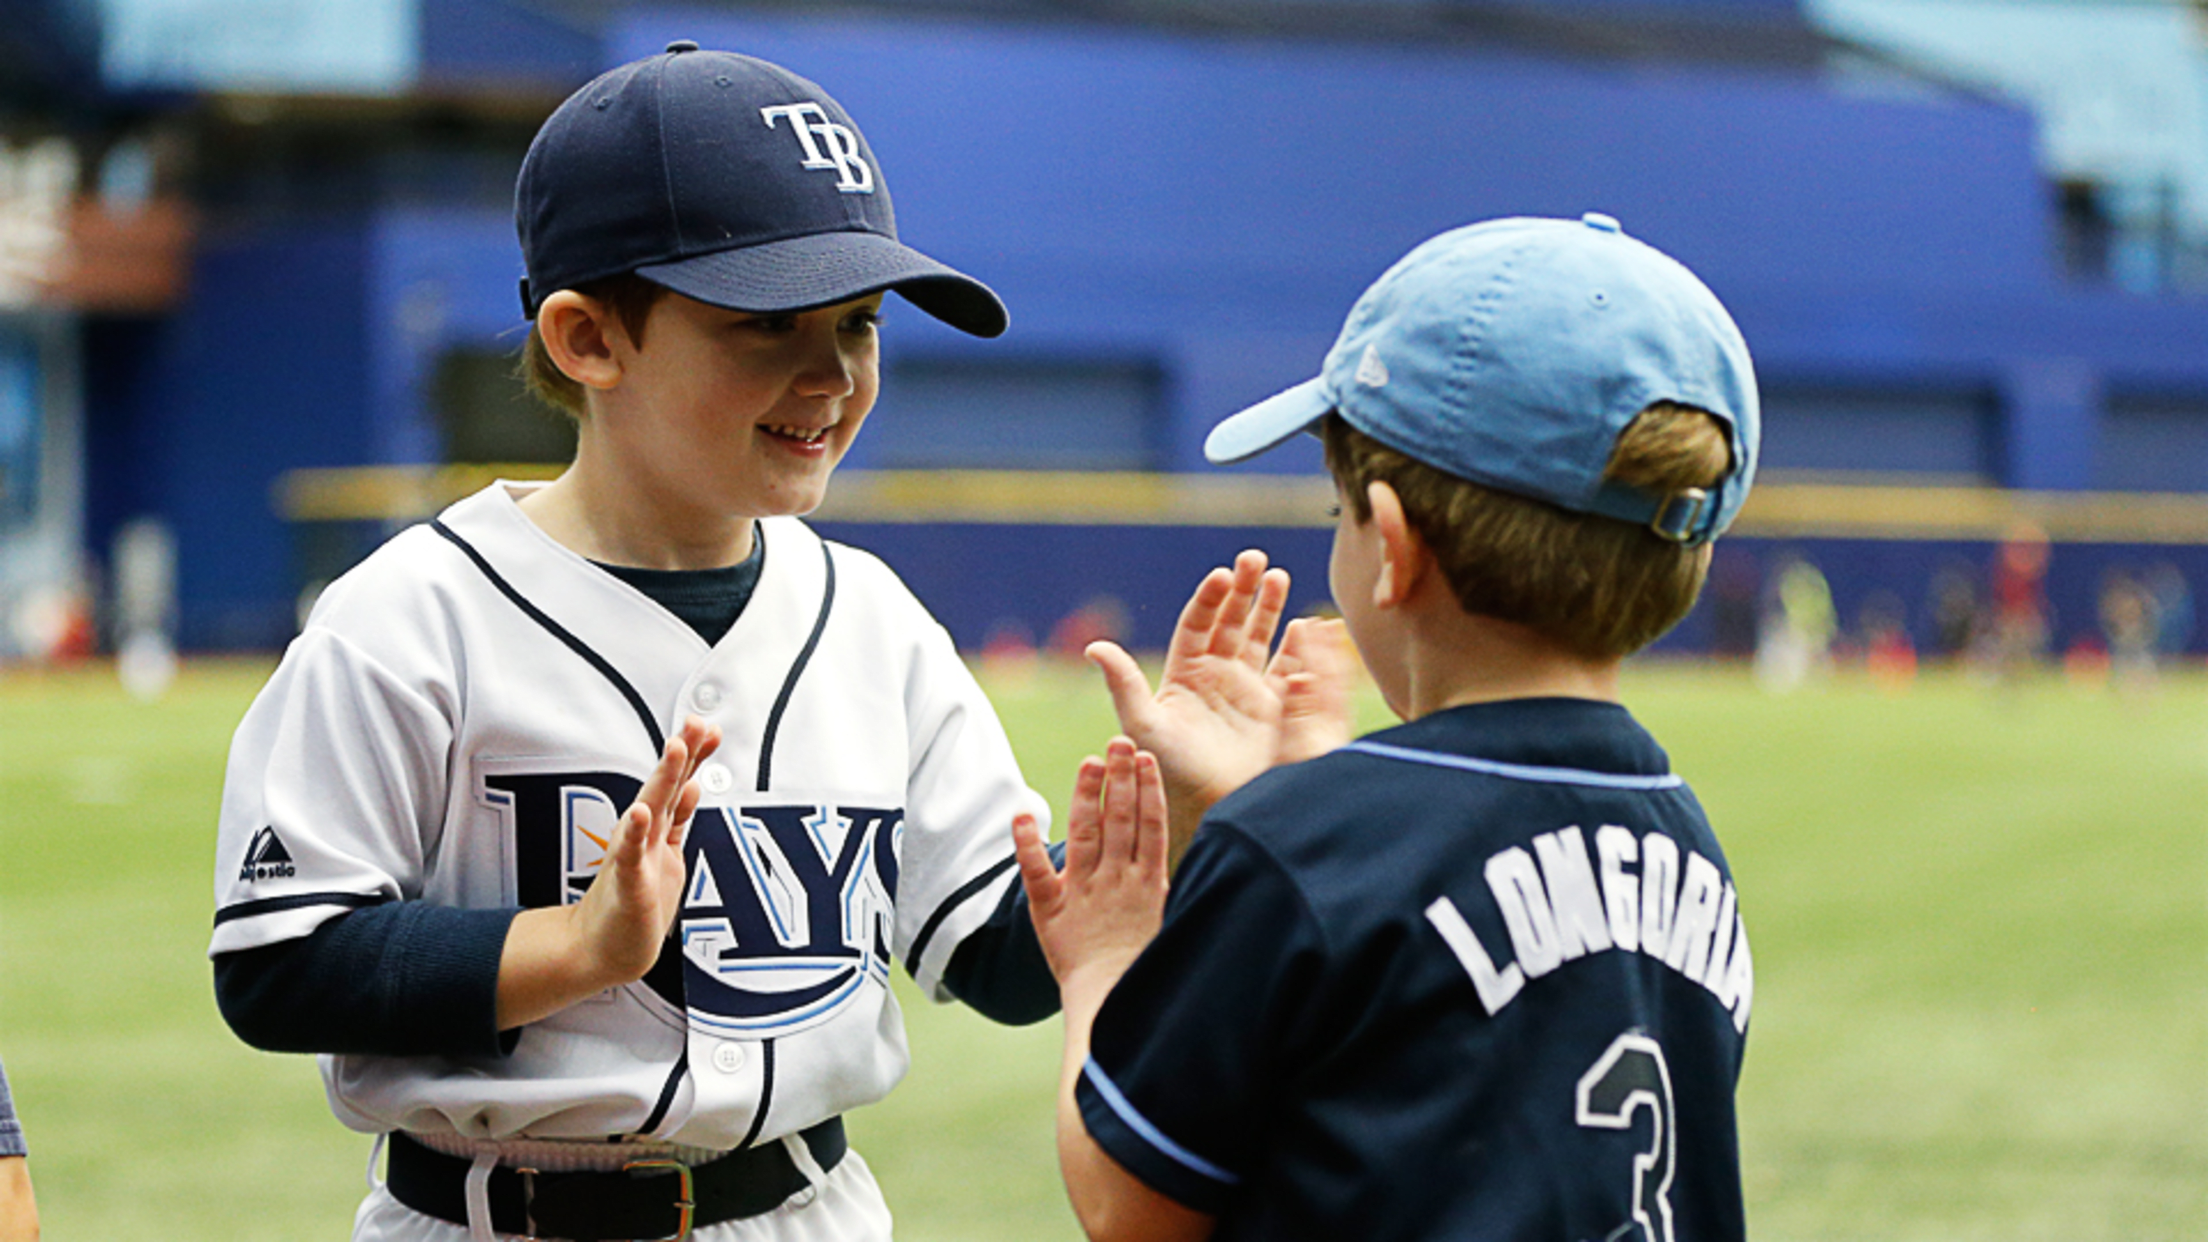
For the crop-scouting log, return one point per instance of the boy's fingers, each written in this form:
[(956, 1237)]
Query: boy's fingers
[(1192, 634), (1150, 836), (627, 845), (1272, 600), (1037, 873), (1083, 815), (1229, 634), (1119, 800), (1124, 681), (667, 775), (686, 805)]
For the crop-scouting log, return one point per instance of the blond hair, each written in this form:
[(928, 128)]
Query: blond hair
[(629, 297), (1600, 587)]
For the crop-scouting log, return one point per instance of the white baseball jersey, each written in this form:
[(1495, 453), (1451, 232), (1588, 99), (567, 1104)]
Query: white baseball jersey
[(469, 711)]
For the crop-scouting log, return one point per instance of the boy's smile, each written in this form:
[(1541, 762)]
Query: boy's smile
[(718, 417), (743, 411)]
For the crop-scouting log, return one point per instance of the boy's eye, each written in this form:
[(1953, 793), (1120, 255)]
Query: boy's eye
[(1334, 510), (862, 321), (770, 323)]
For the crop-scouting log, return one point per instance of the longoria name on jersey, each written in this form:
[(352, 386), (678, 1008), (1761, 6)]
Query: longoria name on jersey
[(1633, 894)]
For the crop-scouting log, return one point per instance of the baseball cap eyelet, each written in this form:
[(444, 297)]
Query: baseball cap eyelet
[(1600, 298)]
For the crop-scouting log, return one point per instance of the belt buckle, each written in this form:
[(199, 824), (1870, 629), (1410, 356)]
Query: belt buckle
[(686, 1201)]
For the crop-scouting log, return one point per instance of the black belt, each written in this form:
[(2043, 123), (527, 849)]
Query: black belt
[(648, 1199)]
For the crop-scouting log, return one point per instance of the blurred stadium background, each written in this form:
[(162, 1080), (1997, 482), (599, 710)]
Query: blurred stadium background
[(257, 311), (259, 270)]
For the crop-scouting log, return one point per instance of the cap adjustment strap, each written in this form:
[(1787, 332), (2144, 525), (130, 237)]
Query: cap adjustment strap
[(1680, 519), (1686, 516)]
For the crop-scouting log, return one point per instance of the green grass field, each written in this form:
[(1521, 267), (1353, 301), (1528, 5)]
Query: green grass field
[(1980, 920)]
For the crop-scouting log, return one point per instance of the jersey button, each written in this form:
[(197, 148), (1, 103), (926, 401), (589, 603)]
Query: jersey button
[(707, 696), (728, 1057), (716, 778)]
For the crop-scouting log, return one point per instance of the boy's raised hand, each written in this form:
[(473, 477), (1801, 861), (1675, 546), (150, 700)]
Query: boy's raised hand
[(639, 887), (1094, 916), (557, 955), (1226, 707)]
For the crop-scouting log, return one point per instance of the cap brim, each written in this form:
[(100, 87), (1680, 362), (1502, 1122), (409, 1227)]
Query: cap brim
[(822, 269), (1268, 423)]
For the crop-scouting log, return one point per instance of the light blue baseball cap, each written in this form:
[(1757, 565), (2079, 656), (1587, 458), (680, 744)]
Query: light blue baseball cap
[(1513, 352)]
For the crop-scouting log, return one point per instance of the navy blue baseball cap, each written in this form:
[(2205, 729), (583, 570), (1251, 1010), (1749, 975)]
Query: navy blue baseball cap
[(1513, 352), (726, 179)]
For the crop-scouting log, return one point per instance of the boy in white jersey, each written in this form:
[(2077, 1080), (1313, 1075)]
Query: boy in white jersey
[(588, 995)]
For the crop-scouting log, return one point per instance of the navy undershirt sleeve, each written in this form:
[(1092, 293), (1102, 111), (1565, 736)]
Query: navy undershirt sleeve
[(999, 968), (401, 979)]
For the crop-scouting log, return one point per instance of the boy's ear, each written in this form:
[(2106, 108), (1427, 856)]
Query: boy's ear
[(1404, 558), (578, 336)]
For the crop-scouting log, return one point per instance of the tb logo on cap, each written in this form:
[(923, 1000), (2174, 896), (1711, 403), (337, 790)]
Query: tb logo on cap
[(827, 144)]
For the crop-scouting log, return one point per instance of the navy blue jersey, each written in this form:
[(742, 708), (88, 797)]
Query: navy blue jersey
[(1481, 976)]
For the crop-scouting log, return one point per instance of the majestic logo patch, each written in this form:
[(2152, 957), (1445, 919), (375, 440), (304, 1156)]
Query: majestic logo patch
[(266, 858), (826, 144), (790, 904)]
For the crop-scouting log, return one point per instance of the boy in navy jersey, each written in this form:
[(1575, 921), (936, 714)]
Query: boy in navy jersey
[(1482, 975)]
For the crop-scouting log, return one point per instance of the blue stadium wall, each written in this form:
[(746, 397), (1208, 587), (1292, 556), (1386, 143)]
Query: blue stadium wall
[(1178, 222)]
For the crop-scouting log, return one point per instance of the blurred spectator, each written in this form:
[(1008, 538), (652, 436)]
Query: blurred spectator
[(2130, 622), (2173, 610), (1955, 620), (18, 1210), (2020, 601), (1889, 655), (1794, 643)]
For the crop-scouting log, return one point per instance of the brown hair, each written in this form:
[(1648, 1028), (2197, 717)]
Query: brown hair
[(1601, 587), (629, 296)]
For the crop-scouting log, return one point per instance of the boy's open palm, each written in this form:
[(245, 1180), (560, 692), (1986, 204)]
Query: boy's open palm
[(633, 900), (1227, 707), (1094, 916)]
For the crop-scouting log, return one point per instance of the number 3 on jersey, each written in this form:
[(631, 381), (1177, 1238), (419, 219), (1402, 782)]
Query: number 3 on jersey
[(1629, 1075)]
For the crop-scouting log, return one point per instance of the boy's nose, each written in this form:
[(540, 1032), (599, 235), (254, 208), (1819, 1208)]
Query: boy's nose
[(827, 369)]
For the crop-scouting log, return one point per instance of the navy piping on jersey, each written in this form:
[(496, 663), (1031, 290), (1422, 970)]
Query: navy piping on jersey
[(766, 774), (965, 893), (577, 645), (766, 1093), (1519, 771), (667, 1091), (1140, 1124), (297, 901), (789, 683)]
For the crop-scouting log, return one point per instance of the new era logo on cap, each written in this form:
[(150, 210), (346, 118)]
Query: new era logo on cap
[(1371, 371)]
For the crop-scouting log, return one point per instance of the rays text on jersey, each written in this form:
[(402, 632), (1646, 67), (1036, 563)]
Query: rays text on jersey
[(789, 906), (1635, 894)]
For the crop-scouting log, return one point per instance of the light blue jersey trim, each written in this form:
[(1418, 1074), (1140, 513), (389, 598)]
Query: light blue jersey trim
[(1518, 771), (1150, 1133)]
